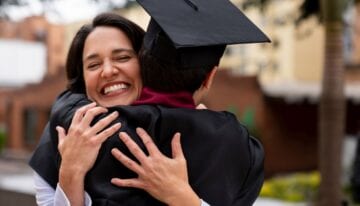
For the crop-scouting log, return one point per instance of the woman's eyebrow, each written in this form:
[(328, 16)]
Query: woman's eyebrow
[(120, 50), (91, 56), (115, 51)]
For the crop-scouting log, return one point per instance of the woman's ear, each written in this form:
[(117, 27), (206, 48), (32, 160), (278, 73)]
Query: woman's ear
[(209, 78)]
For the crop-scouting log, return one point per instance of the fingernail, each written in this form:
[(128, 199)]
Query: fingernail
[(139, 130), (117, 124), (122, 135)]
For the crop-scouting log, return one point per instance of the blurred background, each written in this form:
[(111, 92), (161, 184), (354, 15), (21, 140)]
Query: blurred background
[(299, 95)]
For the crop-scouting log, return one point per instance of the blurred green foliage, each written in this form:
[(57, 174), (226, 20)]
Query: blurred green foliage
[(297, 187), (307, 9), (2, 138), (247, 118)]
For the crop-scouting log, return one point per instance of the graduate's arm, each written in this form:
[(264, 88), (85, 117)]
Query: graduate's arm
[(255, 178)]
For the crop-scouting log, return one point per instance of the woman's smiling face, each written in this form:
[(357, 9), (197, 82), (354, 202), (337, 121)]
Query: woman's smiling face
[(111, 68)]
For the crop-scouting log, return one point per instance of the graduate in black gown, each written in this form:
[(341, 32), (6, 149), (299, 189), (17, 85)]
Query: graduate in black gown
[(182, 48)]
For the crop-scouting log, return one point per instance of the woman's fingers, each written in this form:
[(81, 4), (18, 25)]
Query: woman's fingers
[(148, 142), (104, 122), (82, 127), (133, 147), (102, 136), (61, 133), (83, 116), (136, 183), (127, 162), (79, 114), (91, 114), (159, 175), (176, 146)]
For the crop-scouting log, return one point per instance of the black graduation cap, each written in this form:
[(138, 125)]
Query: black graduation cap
[(194, 33)]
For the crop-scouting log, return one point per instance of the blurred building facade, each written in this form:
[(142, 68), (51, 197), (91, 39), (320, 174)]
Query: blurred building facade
[(284, 103), (24, 110)]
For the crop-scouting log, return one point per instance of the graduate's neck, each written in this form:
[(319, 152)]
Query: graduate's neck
[(179, 99), (200, 93)]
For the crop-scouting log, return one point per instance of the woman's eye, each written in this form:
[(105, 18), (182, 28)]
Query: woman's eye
[(93, 66), (122, 58)]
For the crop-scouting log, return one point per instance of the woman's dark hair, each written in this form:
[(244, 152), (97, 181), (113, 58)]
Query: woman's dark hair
[(168, 77), (74, 64)]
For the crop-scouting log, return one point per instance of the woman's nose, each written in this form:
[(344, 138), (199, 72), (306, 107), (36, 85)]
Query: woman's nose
[(108, 70)]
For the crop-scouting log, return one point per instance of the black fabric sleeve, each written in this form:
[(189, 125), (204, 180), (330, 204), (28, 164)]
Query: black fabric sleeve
[(255, 177), (46, 159)]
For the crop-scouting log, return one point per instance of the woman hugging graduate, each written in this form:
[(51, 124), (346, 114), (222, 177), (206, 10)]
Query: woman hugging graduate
[(182, 47)]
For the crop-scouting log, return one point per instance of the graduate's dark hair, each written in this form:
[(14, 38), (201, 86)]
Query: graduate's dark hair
[(169, 77), (74, 64)]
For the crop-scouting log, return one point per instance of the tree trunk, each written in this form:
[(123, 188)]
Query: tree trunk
[(332, 109)]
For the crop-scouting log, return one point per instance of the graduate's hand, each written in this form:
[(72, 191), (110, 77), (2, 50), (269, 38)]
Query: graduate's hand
[(164, 178), (80, 145), (201, 106)]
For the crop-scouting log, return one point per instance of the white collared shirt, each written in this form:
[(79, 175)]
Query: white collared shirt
[(47, 196)]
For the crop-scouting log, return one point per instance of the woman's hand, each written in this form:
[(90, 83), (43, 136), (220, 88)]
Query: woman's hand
[(164, 178), (79, 148)]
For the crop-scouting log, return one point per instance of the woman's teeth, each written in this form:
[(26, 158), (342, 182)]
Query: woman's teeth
[(114, 88)]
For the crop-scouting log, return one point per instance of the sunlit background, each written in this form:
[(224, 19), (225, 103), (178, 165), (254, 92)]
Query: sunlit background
[(274, 89)]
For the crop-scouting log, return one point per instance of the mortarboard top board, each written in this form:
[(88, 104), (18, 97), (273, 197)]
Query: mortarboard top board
[(195, 32)]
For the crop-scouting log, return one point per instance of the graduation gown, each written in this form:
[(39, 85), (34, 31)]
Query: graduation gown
[(225, 164)]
